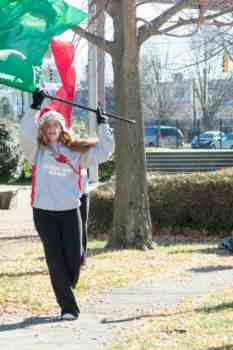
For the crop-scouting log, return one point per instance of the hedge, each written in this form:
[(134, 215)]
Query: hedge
[(202, 201)]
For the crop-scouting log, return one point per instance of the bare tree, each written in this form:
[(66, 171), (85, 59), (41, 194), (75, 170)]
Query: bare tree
[(5, 108), (157, 89), (211, 94), (211, 85), (132, 222)]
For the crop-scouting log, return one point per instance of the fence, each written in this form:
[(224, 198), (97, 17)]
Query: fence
[(183, 134)]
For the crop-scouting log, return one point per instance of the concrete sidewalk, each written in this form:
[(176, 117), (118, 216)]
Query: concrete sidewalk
[(17, 220)]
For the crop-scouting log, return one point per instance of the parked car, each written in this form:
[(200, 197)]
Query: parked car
[(163, 136), (150, 136), (206, 139), (227, 142)]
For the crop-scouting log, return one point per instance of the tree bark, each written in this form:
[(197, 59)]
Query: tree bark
[(132, 222)]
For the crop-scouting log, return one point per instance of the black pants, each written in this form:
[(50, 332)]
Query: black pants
[(84, 210), (61, 234)]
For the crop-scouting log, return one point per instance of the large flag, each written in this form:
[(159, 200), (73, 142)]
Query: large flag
[(26, 30)]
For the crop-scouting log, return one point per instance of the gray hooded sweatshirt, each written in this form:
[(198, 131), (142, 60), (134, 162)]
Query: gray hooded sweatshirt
[(55, 184)]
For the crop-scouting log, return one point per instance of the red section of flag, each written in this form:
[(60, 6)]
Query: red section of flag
[(64, 55)]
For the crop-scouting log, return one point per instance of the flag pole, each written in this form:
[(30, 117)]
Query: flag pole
[(110, 115)]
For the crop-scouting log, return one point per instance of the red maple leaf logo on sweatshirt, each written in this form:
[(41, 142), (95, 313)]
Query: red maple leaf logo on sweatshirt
[(62, 158)]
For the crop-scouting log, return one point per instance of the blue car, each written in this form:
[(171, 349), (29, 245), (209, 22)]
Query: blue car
[(206, 139)]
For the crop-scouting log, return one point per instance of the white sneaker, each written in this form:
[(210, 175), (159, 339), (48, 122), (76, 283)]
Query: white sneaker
[(69, 317)]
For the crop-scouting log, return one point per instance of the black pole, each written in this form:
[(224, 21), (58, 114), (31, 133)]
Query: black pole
[(158, 137), (198, 132), (177, 135), (220, 128), (114, 116)]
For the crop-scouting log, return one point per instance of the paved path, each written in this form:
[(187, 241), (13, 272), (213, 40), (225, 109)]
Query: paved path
[(119, 308)]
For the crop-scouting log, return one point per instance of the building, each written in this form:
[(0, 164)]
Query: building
[(172, 100), (180, 94)]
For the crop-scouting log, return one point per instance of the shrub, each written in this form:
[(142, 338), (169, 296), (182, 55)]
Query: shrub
[(27, 170), (106, 170), (11, 158), (101, 210), (199, 201), (202, 201)]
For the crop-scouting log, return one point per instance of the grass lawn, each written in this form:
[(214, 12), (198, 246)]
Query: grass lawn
[(25, 285), (204, 323), (24, 282), (199, 324)]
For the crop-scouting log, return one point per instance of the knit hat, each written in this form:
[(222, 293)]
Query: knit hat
[(64, 55), (52, 115)]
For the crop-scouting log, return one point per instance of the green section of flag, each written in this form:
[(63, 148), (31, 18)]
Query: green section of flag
[(26, 30)]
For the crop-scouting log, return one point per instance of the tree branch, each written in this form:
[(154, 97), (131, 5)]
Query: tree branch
[(146, 31), (214, 5), (195, 31), (106, 45), (100, 42), (190, 21), (161, 2)]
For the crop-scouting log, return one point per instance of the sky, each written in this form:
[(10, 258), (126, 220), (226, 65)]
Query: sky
[(178, 51)]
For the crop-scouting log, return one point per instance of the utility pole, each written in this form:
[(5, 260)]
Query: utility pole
[(92, 87), (194, 106), (205, 83), (100, 57)]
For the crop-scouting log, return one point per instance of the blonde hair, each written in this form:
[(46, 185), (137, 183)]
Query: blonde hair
[(78, 145)]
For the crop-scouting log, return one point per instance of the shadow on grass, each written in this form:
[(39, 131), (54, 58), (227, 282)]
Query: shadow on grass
[(206, 250), (203, 250), (31, 321), (224, 347), (129, 319), (16, 238), (204, 309), (22, 274), (98, 251), (208, 269), (215, 308), (91, 252)]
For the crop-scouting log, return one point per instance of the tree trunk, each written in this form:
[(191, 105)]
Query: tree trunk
[(207, 120), (132, 223)]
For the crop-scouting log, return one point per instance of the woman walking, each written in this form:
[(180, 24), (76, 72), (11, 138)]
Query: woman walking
[(56, 160)]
